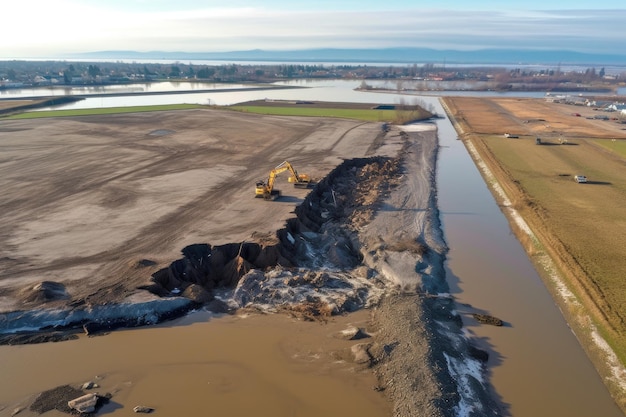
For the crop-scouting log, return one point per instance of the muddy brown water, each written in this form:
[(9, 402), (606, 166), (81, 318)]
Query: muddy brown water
[(253, 366)]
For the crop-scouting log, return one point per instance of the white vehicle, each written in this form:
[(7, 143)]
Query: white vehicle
[(580, 178)]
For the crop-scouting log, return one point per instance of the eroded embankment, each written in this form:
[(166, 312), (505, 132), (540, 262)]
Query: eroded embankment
[(311, 266), (367, 235)]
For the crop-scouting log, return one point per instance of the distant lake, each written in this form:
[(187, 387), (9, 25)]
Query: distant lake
[(222, 94), (206, 93)]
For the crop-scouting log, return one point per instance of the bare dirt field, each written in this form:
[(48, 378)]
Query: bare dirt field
[(581, 227), (96, 207), (89, 200), (532, 117)]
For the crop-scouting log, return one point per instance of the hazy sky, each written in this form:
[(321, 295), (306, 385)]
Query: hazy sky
[(45, 28)]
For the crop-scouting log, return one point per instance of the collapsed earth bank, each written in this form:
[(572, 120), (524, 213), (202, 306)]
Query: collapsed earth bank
[(367, 236)]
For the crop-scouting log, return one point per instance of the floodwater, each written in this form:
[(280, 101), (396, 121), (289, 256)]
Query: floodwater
[(254, 366), (537, 367)]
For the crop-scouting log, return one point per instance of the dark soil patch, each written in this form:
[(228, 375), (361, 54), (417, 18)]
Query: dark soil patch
[(56, 399), (38, 337), (53, 101)]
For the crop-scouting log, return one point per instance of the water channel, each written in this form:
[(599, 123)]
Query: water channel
[(537, 366)]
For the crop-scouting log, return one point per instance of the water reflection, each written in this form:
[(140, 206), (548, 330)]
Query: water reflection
[(320, 90)]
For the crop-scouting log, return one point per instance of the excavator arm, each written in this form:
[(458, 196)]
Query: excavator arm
[(298, 180), (274, 173), (266, 189)]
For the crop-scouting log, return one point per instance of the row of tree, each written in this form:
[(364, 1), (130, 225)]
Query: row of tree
[(107, 72)]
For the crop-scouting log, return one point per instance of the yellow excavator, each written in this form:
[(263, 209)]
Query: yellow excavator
[(265, 189)]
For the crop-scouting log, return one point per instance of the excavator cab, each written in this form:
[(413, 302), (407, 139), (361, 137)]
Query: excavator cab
[(263, 190)]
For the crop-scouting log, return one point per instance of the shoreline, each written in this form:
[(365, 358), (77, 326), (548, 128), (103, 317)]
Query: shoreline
[(556, 280)]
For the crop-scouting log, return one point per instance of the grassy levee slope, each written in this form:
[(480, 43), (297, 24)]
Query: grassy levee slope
[(582, 227), (358, 111)]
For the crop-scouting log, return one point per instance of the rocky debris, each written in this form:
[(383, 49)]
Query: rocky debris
[(351, 193), (94, 328), (143, 409), (212, 267), (360, 353), (37, 337), (487, 319), (89, 385), (311, 295), (197, 294), (55, 399), (68, 399), (308, 310), (304, 262), (84, 404), (353, 333), (43, 292)]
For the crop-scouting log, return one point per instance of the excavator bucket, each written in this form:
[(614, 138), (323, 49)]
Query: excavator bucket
[(301, 181)]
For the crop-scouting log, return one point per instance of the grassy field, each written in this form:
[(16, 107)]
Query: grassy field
[(343, 110), (616, 147), (581, 227), (367, 114)]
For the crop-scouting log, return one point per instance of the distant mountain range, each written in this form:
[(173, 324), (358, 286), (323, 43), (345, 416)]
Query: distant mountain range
[(387, 55)]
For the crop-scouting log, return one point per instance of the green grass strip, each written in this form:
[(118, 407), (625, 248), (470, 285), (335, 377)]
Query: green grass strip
[(615, 146), (368, 115), (102, 111)]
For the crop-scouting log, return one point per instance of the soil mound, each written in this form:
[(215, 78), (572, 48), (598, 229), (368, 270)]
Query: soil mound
[(321, 235), (43, 292)]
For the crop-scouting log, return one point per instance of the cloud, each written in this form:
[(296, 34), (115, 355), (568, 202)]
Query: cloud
[(66, 26)]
